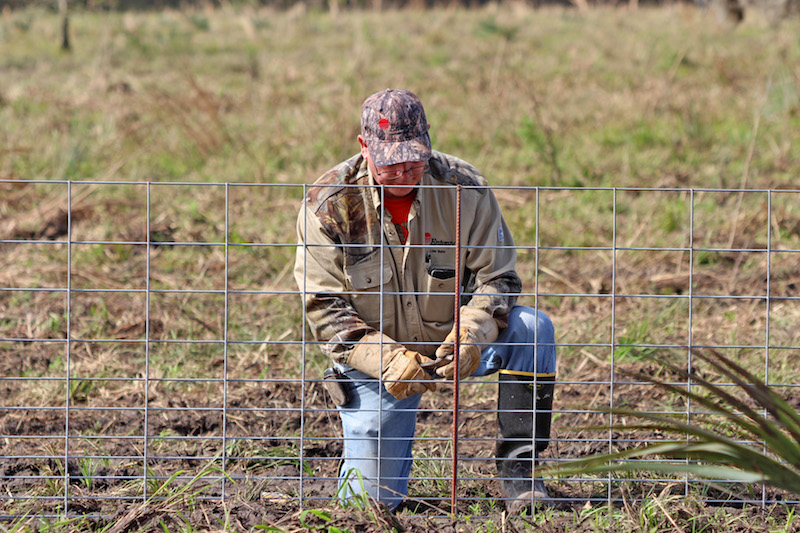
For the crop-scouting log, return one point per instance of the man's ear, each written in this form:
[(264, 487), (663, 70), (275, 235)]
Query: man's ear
[(364, 151)]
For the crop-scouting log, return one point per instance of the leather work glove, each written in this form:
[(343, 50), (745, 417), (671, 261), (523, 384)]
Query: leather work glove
[(380, 357), (476, 328)]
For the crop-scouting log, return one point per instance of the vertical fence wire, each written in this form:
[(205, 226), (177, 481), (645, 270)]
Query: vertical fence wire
[(225, 344), (536, 304), (303, 334), (160, 456), (147, 344), (767, 320), (612, 341), (384, 249), (456, 351), (304, 379), (690, 339), (68, 348)]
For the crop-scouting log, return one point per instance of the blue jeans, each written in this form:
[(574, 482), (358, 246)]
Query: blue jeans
[(379, 429)]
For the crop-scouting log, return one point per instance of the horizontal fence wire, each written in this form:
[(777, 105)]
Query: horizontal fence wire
[(152, 336)]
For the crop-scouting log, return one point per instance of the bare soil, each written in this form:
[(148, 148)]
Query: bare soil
[(265, 479)]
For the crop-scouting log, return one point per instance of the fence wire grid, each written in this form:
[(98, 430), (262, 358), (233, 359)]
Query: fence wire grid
[(153, 334)]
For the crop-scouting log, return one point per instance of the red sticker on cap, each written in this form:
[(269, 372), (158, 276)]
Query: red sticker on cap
[(383, 123)]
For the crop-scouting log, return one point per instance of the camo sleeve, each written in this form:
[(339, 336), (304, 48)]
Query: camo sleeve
[(319, 274), (497, 296)]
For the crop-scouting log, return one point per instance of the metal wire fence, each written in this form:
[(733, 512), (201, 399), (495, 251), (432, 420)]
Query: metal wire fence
[(152, 336)]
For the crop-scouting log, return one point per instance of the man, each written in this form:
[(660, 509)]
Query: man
[(377, 269)]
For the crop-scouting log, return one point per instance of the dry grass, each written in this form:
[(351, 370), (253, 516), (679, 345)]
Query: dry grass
[(659, 98)]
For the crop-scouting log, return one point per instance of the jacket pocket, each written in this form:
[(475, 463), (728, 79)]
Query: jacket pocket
[(367, 274), (436, 303), (364, 280)]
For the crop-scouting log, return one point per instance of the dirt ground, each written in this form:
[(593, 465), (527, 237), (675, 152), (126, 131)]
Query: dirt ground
[(264, 471)]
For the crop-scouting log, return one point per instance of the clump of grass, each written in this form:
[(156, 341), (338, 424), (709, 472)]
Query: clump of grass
[(757, 440), (169, 500)]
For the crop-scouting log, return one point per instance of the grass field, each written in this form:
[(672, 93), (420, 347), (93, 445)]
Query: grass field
[(639, 156)]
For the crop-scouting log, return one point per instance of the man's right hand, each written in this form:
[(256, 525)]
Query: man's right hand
[(381, 357), (404, 376)]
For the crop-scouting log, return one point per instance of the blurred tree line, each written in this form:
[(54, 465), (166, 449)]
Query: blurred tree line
[(732, 10), (112, 5)]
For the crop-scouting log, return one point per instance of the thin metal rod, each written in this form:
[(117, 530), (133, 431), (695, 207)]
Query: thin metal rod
[(456, 348)]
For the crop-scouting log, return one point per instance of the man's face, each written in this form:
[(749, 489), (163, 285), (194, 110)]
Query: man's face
[(400, 179)]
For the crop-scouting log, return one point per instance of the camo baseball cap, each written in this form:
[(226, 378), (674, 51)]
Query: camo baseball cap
[(394, 126)]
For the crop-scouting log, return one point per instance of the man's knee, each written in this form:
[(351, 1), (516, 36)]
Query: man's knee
[(535, 329), (538, 324)]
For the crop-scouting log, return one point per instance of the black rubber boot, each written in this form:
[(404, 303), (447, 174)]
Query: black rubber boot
[(520, 442)]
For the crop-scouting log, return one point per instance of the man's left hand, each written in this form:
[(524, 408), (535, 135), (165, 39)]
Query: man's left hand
[(476, 327), (469, 355)]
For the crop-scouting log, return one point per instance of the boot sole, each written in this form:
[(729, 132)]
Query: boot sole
[(527, 500)]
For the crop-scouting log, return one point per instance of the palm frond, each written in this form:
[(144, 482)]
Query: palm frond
[(764, 448)]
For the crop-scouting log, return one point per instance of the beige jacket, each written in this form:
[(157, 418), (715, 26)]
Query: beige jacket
[(345, 237)]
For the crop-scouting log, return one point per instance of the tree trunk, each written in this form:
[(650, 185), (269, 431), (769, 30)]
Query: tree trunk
[(62, 8)]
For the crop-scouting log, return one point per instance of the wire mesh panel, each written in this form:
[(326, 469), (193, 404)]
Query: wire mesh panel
[(153, 341)]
